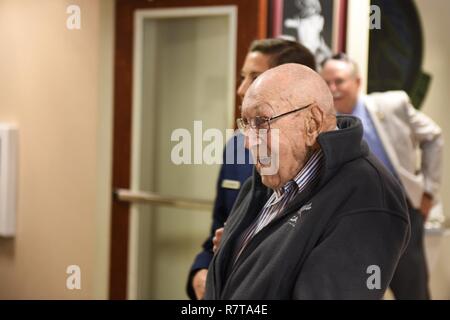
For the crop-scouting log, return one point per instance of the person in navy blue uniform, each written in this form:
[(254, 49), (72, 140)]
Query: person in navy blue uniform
[(237, 166)]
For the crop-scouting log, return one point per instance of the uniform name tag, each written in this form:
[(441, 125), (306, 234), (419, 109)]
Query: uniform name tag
[(231, 184)]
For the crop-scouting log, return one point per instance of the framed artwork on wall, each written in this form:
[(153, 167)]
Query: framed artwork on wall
[(320, 25)]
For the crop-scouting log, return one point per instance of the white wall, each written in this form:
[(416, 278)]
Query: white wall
[(56, 86), (357, 46), (435, 17)]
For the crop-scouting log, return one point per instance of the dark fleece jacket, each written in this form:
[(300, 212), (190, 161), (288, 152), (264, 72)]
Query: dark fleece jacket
[(339, 239)]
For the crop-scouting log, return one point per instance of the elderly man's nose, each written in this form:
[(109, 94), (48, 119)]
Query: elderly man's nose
[(251, 139)]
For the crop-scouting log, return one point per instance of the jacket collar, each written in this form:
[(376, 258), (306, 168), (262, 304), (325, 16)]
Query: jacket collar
[(343, 145)]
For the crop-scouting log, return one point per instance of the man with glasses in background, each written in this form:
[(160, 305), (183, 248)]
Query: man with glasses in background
[(394, 130)]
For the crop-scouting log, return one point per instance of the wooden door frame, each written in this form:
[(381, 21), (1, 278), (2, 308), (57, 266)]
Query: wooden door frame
[(251, 25)]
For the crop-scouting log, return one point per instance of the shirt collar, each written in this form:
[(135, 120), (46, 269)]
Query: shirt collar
[(304, 176), (359, 109)]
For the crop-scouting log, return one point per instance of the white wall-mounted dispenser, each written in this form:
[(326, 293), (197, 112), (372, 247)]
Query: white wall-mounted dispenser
[(8, 179)]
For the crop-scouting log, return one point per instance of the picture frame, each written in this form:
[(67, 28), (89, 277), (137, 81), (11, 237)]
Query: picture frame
[(320, 25)]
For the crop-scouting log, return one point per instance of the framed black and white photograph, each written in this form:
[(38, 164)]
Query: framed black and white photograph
[(317, 24)]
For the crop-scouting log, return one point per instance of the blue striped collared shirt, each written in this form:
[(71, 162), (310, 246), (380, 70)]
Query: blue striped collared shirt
[(281, 198)]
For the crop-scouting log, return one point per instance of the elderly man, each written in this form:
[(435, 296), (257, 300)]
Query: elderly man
[(394, 131), (330, 223), (263, 55)]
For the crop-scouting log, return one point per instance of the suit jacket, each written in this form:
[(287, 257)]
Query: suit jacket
[(402, 130)]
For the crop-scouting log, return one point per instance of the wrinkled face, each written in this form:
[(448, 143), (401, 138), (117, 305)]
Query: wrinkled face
[(282, 142), (343, 84), (255, 64)]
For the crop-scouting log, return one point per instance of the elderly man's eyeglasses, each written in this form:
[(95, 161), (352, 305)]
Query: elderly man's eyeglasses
[(258, 123)]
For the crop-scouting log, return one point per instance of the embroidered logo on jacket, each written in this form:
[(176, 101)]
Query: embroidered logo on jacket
[(293, 220)]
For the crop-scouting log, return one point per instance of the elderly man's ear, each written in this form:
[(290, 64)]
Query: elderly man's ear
[(314, 123)]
